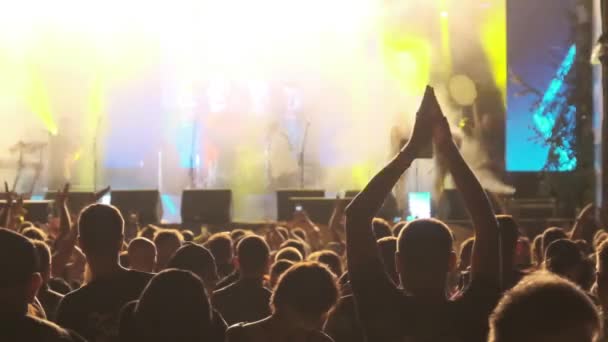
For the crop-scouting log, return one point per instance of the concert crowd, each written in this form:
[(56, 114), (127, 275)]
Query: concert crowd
[(80, 277)]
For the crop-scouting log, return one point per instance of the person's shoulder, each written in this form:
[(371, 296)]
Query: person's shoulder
[(240, 332), (138, 275), (51, 331), (319, 336)]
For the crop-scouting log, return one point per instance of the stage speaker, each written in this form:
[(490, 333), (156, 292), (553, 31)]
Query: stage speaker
[(451, 206), (206, 207), (145, 203), (284, 209), (36, 212), (76, 200)]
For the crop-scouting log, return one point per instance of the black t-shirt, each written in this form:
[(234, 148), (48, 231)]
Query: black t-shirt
[(343, 324), (243, 301), (50, 301), (128, 332), (388, 315), (26, 328), (94, 310)]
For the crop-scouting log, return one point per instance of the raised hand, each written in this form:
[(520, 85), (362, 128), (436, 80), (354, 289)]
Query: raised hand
[(421, 133)]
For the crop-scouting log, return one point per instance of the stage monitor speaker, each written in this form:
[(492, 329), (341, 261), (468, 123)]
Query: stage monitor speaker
[(145, 203), (76, 200), (206, 207), (284, 210)]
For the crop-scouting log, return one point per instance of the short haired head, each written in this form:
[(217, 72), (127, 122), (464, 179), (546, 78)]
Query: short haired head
[(278, 268), (198, 260), (297, 244), (253, 256), (44, 259), (173, 302), (466, 251), (101, 230), (332, 261), (289, 253), (552, 234), (237, 235), (299, 233), (19, 266), (564, 259), (388, 248), (307, 289), (398, 227), (284, 232), (148, 232), (424, 256), (188, 235), (381, 228), (34, 233), (167, 242), (544, 307), (142, 255), (220, 245)]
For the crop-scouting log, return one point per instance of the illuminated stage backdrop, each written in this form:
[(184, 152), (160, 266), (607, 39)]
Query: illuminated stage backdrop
[(172, 94), (541, 56)]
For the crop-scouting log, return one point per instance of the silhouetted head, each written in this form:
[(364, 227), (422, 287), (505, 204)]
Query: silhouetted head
[(305, 292), (19, 276), (220, 245), (148, 232), (424, 257), (167, 242), (544, 307), (381, 228), (173, 307), (297, 244), (253, 256), (299, 233), (332, 261), (277, 270), (188, 235), (198, 260), (552, 234), (101, 232), (564, 259), (34, 233), (288, 253), (398, 227), (142, 255)]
